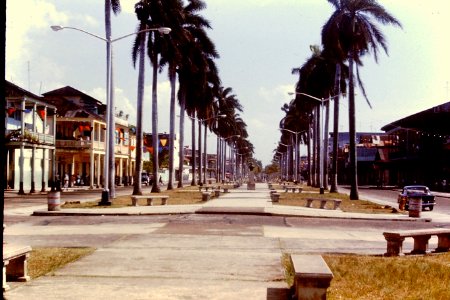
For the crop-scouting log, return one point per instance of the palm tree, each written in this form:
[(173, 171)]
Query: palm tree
[(113, 5), (193, 69), (350, 33), (139, 50)]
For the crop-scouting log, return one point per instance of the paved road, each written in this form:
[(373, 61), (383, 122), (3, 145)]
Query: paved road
[(206, 255)]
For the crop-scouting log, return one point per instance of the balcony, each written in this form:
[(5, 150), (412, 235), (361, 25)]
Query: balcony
[(15, 136)]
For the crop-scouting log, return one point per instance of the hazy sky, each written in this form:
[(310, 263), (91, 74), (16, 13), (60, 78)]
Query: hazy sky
[(259, 42)]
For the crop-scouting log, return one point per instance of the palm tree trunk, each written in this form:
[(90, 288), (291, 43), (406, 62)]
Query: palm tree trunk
[(337, 88), (172, 78), (200, 152), (181, 162), (155, 137), (205, 161), (194, 163), (308, 149), (354, 195), (137, 187), (325, 145)]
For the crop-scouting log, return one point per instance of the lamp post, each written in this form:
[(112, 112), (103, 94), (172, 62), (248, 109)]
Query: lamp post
[(321, 138), (109, 137), (295, 149)]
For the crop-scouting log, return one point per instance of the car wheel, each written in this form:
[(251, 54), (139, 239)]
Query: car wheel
[(430, 208)]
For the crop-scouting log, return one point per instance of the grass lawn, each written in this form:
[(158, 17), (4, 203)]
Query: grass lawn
[(347, 205), (182, 196), (46, 260), (374, 277)]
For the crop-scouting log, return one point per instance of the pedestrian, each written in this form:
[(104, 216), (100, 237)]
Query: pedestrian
[(66, 182), (160, 180)]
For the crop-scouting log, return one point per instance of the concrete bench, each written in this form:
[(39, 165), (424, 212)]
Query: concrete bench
[(312, 277), (206, 196), (275, 197), (323, 202), (15, 263), (292, 188), (150, 198), (421, 237), (205, 188)]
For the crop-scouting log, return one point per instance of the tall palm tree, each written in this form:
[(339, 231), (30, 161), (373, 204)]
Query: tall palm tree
[(142, 14), (113, 5), (350, 33), (194, 66)]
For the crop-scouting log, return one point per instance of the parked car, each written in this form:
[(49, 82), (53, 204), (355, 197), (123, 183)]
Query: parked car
[(422, 191), (145, 179)]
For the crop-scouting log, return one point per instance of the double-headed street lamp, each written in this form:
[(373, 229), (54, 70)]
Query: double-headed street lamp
[(321, 138), (109, 137)]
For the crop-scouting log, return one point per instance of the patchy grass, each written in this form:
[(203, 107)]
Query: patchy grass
[(182, 196), (347, 205), (46, 260), (370, 277)]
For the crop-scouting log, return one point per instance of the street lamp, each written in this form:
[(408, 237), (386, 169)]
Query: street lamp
[(321, 138), (295, 149), (109, 137)]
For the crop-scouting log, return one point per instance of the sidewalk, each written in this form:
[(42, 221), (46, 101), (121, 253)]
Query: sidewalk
[(238, 201)]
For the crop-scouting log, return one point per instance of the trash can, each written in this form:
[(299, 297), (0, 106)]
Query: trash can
[(53, 201), (415, 206)]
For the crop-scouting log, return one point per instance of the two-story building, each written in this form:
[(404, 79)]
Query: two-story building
[(30, 140), (80, 139)]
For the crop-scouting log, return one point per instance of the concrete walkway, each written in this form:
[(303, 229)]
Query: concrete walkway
[(157, 260)]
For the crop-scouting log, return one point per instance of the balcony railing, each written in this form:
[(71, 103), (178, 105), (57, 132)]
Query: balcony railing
[(73, 144), (29, 137)]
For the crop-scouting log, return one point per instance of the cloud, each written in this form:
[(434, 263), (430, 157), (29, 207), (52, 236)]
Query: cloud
[(23, 22)]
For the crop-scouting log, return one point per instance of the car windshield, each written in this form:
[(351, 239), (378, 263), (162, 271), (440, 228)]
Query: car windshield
[(416, 189)]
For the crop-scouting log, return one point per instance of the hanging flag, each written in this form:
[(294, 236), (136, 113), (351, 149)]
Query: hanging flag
[(42, 113), (11, 111), (132, 148)]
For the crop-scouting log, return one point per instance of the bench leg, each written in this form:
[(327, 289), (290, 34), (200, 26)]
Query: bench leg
[(17, 268), (309, 202), (133, 201), (149, 202), (394, 246), (164, 201), (337, 204), (312, 288), (322, 204), (420, 244), (443, 243), (4, 284)]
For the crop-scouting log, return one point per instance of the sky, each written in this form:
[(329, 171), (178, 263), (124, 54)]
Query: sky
[(259, 42)]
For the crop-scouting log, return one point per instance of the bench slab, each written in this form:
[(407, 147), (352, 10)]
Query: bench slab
[(312, 276), (421, 237), (134, 199), (15, 263)]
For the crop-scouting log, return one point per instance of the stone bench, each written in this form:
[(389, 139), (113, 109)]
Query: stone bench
[(421, 237), (312, 277), (150, 198), (205, 188), (15, 263), (292, 188), (206, 196), (275, 197), (323, 202)]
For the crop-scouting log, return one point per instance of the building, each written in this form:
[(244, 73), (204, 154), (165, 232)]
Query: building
[(422, 152), (30, 140), (80, 139)]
